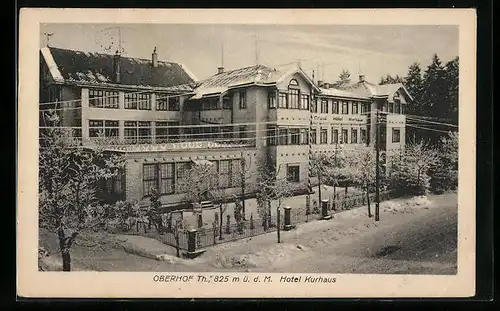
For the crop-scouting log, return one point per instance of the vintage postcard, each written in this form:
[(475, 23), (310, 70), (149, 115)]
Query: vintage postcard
[(246, 153)]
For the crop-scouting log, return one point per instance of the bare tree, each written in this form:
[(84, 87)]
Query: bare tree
[(69, 178)]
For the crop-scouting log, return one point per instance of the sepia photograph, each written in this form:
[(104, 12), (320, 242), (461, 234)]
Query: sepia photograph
[(306, 151)]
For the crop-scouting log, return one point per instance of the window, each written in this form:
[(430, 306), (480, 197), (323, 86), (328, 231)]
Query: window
[(271, 99), (103, 128), (294, 136), (391, 107), (314, 106), (355, 108), (167, 178), (324, 106), (227, 132), (225, 175), (354, 136), (335, 107), (227, 102), (293, 102), (283, 136), (173, 131), (130, 132), (396, 135), (345, 137), (141, 101), (243, 131), (144, 132), (236, 173), (363, 135), (115, 186), (96, 128), (313, 136), (335, 136), (345, 108), (210, 104), (180, 170), (384, 107), (323, 136), (150, 178), (138, 132), (166, 131), (364, 107), (271, 135), (161, 129), (161, 102), (304, 103), (293, 173), (283, 100), (103, 99), (304, 137), (166, 102), (397, 107), (243, 99), (403, 109), (173, 103)]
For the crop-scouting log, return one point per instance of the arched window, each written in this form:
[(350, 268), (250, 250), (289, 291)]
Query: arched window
[(293, 94)]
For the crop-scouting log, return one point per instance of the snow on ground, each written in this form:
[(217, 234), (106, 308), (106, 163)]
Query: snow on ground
[(263, 252), (251, 254)]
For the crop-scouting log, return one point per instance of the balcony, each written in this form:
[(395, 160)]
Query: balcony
[(171, 144), (289, 116)]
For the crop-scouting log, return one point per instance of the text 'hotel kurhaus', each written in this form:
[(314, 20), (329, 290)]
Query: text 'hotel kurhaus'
[(162, 119)]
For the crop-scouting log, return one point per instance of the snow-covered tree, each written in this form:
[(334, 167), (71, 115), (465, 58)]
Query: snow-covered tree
[(363, 170), (444, 174), (69, 178), (199, 181), (271, 187), (410, 171)]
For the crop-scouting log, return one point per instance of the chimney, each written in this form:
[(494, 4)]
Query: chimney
[(361, 78), (154, 58), (320, 83), (220, 70), (116, 66)]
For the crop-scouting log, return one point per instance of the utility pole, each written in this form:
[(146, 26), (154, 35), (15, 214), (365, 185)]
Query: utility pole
[(256, 50), (377, 167), (243, 181)]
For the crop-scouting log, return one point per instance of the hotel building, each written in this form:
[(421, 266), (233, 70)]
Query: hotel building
[(162, 119)]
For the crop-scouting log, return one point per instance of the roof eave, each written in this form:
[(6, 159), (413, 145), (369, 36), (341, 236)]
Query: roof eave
[(125, 86)]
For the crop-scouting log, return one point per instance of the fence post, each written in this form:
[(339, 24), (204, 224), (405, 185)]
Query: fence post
[(192, 240), (215, 233), (324, 209), (288, 223), (228, 224), (177, 244), (308, 207)]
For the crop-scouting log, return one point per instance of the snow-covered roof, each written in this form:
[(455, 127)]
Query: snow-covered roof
[(97, 68)]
